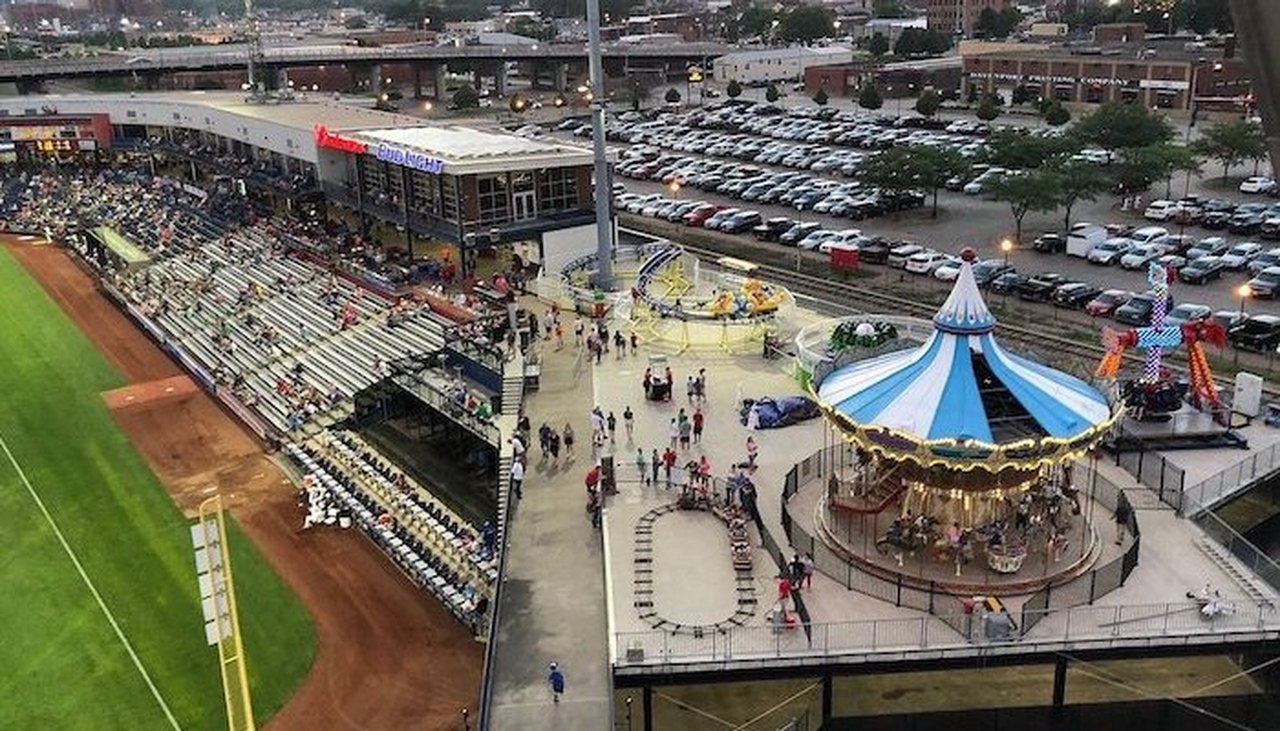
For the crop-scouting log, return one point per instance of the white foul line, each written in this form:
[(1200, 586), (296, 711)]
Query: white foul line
[(89, 583)]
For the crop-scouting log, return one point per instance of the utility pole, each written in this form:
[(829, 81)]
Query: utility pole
[(604, 190), (257, 85)]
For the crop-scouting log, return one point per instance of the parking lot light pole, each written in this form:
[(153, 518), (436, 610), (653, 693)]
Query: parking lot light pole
[(1244, 292), (1006, 246), (675, 189)]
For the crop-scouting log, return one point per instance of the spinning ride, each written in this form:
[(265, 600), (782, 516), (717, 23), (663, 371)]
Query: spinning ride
[(960, 449), (1156, 394)]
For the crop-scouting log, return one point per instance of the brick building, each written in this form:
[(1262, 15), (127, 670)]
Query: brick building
[(959, 16)]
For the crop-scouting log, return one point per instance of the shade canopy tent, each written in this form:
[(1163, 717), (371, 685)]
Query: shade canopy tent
[(962, 400)]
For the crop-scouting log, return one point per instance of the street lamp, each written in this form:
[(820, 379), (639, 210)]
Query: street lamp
[(1006, 246), (1245, 293), (675, 189)]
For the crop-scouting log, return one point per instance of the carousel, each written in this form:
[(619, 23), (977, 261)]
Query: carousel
[(953, 460)]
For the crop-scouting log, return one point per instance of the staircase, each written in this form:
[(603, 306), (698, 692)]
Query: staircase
[(513, 385), (1248, 582)]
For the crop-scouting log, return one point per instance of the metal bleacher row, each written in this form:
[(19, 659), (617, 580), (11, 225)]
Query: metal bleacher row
[(434, 547)]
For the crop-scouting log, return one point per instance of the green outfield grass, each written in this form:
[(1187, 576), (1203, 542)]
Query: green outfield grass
[(63, 665)]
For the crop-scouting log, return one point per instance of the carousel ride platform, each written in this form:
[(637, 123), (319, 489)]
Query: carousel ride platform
[(1187, 428)]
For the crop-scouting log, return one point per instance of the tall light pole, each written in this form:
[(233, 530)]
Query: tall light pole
[(604, 191), (1006, 247), (1244, 292)]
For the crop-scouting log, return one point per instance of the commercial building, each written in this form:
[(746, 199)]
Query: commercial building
[(1162, 78), (776, 64), (959, 16), (402, 181), (902, 79)]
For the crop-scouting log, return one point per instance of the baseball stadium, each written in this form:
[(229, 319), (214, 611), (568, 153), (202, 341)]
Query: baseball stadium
[(273, 373)]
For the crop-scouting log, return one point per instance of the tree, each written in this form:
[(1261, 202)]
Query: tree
[(356, 22), (928, 103), (914, 166), (672, 96), (878, 45), (753, 22), (869, 97), (806, 23), (734, 89), (994, 23), (972, 96), (1118, 126), (821, 98), (466, 97), (1203, 16), (1055, 114), (1018, 149), (1231, 143), (1034, 190), (1078, 180), (888, 9), (1021, 94), (909, 42), (987, 109), (771, 93), (1137, 168)]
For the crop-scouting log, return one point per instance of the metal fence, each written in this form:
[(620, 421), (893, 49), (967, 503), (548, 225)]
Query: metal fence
[(1081, 625), (1211, 490), (1157, 473)]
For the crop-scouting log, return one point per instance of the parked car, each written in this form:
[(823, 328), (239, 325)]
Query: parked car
[(898, 256), (925, 262), (1209, 246), (1265, 284), (813, 240), (771, 228), (987, 270), (1239, 256), (1146, 235), (1106, 302), (796, 233), (1137, 311), (873, 250), (1187, 312), (1257, 184), (1139, 257), (742, 221), (1109, 251), (1201, 270), (1216, 220), (1075, 294), (1050, 243), (1039, 288), (1260, 333), (1247, 223), (1160, 210), (949, 270), (698, 216), (720, 217), (1270, 228), (1007, 283), (1229, 318), (1266, 259), (1173, 262)]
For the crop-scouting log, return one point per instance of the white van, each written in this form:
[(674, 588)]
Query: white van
[(1083, 237)]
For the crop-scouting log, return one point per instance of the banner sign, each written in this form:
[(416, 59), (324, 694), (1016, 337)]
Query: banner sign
[(415, 160), (328, 140)]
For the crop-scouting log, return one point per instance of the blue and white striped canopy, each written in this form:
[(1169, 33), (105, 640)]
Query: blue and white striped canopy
[(942, 389)]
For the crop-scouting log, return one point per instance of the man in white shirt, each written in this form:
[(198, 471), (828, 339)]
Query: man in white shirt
[(517, 477)]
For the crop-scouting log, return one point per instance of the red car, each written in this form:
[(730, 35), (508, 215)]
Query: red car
[(1107, 302), (699, 215)]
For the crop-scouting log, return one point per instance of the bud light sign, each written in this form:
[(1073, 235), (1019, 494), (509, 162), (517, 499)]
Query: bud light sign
[(415, 160)]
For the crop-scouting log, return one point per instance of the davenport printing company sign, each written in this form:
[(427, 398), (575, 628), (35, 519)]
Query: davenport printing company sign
[(1087, 80)]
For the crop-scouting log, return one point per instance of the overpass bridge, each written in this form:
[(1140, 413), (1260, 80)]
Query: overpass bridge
[(150, 66)]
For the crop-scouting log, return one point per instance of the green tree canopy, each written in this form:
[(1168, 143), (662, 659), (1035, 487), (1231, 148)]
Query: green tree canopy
[(928, 103), (821, 98), (771, 93), (994, 23), (914, 166), (870, 97), (807, 23), (733, 89), (1136, 169), (1055, 114), (987, 108), (1231, 143), (888, 9), (1018, 149), (878, 45), (753, 22), (672, 96), (914, 42), (1033, 190), (1078, 180), (466, 97), (1118, 126)]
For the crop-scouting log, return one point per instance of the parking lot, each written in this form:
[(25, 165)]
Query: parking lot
[(768, 157)]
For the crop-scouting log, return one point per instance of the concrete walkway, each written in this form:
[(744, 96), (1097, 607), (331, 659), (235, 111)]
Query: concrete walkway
[(553, 605)]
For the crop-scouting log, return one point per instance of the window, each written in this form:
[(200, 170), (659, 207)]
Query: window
[(424, 193), (492, 190), (558, 190), (449, 198)]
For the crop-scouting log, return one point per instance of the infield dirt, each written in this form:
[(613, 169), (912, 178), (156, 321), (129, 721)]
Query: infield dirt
[(387, 656)]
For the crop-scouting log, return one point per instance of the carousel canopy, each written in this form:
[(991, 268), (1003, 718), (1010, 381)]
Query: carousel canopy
[(960, 384)]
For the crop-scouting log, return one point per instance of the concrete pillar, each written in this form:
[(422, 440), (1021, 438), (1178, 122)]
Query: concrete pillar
[(562, 76), (440, 72), (417, 80), (500, 79), (477, 78), (375, 79)]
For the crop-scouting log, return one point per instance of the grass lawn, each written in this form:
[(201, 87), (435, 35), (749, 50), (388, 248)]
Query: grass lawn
[(63, 665)]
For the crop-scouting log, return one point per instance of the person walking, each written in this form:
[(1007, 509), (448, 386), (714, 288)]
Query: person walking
[(553, 444), (674, 433), (555, 678), (686, 429), (635, 344), (807, 560), (568, 442), (577, 332), (612, 423), (559, 335), (1123, 513), (697, 425), (629, 423), (640, 463), (517, 478), (669, 463), (655, 464), (690, 389)]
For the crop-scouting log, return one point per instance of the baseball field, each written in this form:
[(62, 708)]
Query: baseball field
[(100, 626)]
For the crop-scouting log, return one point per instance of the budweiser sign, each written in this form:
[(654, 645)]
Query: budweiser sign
[(326, 139)]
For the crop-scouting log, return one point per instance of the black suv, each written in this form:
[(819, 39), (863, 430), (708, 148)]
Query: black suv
[(1260, 333), (1050, 243), (1039, 288), (772, 228)]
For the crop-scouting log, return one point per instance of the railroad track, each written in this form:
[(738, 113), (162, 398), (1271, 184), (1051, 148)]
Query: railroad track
[(845, 298)]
